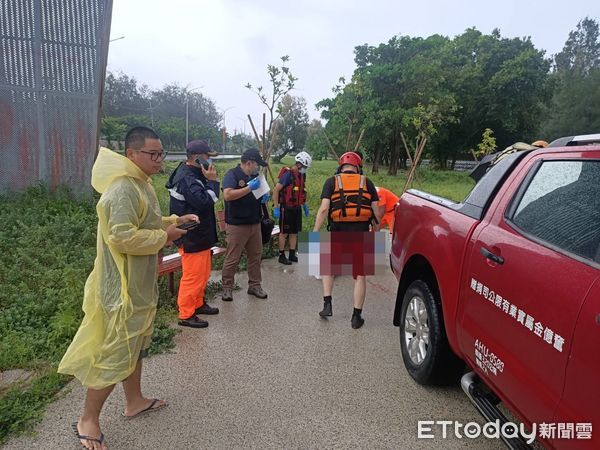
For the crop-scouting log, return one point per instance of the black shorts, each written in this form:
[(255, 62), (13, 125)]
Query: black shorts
[(290, 221)]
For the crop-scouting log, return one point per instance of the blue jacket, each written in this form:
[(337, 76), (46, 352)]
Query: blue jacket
[(191, 193)]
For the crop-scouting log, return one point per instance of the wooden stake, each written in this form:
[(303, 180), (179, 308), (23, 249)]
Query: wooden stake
[(348, 138), (273, 133), (271, 143), (474, 155), (406, 148), (330, 146), (254, 129), (263, 149), (415, 163), (272, 177), (359, 139), (410, 157)]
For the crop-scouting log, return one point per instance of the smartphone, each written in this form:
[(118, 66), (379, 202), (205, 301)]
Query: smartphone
[(188, 225)]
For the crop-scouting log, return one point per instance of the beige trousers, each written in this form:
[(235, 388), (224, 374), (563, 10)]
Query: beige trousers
[(240, 238)]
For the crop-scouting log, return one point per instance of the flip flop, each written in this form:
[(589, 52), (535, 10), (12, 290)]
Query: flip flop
[(147, 410), (81, 437)]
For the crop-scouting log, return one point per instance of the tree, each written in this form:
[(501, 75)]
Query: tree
[(113, 130), (581, 53), (487, 144), (575, 105), (498, 83), (170, 101), (292, 126), (316, 144), (122, 96), (447, 91), (398, 88), (130, 104), (345, 114), (240, 142), (281, 82)]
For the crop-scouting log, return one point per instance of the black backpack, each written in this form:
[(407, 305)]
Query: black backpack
[(266, 225)]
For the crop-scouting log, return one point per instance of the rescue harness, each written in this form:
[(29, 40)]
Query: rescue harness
[(351, 201), (294, 194)]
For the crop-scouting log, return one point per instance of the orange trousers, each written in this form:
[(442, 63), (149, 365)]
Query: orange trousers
[(196, 272)]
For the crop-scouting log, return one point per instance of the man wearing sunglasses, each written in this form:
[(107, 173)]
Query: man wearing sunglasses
[(121, 293)]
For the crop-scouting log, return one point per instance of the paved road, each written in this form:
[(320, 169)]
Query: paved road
[(272, 374)]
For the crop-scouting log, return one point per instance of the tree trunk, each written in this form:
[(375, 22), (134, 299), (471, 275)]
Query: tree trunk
[(394, 156), (375, 168), (277, 158)]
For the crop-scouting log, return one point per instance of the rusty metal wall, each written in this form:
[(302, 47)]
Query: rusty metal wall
[(52, 67)]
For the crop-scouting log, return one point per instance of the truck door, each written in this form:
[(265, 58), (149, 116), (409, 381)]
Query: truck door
[(528, 271), (578, 407)]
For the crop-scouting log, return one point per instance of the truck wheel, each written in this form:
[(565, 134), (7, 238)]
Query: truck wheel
[(425, 350)]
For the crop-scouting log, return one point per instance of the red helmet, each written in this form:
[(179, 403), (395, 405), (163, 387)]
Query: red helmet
[(350, 158)]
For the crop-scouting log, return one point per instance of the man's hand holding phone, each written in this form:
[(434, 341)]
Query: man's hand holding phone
[(174, 233), (210, 173), (183, 225)]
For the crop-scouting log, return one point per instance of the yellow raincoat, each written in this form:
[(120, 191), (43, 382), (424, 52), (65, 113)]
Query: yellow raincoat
[(121, 293)]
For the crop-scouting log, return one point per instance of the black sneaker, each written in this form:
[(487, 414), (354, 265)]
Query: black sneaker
[(293, 258), (284, 260), (194, 322), (357, 322), (327, 310), (207, 309)]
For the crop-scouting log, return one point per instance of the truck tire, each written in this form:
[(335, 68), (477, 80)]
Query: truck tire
[(425, 350)]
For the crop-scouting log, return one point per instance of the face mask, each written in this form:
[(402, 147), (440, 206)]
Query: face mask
[(254, 171), (302, 170)]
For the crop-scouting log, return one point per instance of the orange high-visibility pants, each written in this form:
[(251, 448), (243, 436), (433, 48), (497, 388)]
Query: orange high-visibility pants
[(196, 272)]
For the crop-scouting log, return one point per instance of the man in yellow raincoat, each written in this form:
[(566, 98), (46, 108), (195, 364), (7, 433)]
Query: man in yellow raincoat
[(121, 293)]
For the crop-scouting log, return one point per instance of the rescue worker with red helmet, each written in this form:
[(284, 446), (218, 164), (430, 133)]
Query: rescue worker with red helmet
[(349, 202), (289, 200)]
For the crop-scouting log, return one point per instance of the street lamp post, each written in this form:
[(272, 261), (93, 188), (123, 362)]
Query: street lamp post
[(187, 120), (151, 112), (225, 128), (187, 101), (243, 120)]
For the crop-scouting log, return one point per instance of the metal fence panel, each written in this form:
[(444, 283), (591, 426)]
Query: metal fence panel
[(52, 66)]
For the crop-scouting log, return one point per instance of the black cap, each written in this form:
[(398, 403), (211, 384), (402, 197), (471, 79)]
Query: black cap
[(198, 147), (252, 154)]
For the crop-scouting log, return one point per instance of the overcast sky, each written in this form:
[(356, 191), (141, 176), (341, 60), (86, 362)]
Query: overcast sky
[(220, 46)]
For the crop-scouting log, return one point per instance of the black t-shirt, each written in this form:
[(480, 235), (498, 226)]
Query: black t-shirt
[(327, 192)]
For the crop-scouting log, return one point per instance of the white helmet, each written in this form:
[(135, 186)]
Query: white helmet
[(304, 159)]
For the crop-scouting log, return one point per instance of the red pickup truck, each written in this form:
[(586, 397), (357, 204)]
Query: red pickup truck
[(502, 290)]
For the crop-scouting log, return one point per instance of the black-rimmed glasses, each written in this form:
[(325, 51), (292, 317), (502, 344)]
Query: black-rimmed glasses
[(155, 156)]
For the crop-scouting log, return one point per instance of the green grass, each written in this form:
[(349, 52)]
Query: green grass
[(47, 250)]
